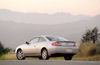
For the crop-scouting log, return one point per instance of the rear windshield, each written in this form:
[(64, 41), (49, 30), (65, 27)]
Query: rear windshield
[(56, 39)]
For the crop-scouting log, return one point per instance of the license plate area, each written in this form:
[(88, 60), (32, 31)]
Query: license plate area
[(69, 50)]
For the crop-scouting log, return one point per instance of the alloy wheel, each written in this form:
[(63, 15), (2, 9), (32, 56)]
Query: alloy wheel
[(20, 55)]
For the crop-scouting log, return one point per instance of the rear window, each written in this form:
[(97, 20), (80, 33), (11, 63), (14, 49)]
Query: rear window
[(56, 39)]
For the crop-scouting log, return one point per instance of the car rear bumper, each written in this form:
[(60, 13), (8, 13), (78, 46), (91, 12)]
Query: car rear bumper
[(63, 50)]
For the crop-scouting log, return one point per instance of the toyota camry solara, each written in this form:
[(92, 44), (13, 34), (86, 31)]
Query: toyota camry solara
[(45, 47)]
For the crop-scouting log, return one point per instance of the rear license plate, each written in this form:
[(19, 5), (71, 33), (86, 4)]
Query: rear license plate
[(69, 50)]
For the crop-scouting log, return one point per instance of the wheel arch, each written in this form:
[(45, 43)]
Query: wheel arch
[(18, 49), (44, 48)]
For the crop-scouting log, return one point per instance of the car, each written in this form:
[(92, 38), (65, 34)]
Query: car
[(47, 46)]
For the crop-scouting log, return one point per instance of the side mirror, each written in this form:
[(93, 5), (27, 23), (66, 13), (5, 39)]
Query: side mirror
[(27, 42)]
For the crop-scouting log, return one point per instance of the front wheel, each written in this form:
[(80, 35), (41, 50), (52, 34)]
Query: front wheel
[(44, 55), (20, 55)]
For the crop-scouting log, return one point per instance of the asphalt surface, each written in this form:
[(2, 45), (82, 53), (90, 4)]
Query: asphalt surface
[(48, 62)]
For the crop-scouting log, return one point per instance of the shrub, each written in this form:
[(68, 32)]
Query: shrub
[(85, 48), (88, 49), (92, 51), (98, 48), (95, 49)]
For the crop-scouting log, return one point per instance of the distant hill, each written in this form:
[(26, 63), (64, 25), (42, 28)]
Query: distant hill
[(38, 18), (13, 33)]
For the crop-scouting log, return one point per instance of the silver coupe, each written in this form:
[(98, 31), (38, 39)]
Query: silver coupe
[(45, 47)]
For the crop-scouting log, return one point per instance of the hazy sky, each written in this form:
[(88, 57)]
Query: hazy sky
[(88, 7)]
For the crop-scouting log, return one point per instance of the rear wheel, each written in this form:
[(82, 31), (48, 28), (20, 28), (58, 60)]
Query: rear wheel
[(69, 57), (44, 55), (20, 55)]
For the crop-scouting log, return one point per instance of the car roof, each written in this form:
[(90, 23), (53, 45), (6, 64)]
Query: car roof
[(52, 36), (48, 36), (44, 36)]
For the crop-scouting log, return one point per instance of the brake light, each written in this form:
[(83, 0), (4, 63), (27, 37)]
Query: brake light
[(55, 44), (75, 44)]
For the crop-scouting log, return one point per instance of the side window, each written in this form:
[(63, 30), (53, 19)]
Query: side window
[(41, 39), (34, 40)]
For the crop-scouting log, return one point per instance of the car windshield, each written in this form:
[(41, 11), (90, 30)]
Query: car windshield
[(56, 39)]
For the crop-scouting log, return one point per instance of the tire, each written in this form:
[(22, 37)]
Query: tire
[(20, 55), (68, 57), (44, 55)]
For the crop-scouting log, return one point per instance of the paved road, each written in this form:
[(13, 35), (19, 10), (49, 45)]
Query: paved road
[(49, 62)]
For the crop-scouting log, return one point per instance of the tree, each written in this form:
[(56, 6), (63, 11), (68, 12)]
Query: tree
[(87, 36), (90, 35), (95, 34), (3, 50)]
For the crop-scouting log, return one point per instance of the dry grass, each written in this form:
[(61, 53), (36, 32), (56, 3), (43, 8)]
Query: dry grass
[(89, 58), (11, 56)]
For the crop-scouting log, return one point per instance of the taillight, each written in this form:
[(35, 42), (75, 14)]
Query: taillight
[(75, 44), (55, 44)]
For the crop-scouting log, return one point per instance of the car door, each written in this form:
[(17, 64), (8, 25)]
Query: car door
[(31, 47), (40, 45)]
